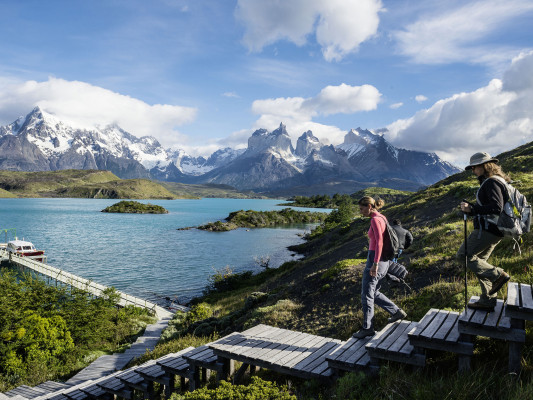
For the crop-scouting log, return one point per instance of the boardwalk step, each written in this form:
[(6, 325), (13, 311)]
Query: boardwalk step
[(392, 343), (281, 350), (494, 324), (438, 330), (350, 356), (519, 301)]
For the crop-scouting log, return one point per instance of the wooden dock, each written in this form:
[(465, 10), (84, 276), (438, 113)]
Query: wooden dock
[(309, 356), (91, 287)]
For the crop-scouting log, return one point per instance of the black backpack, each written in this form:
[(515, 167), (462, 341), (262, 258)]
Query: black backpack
[(391, 243)]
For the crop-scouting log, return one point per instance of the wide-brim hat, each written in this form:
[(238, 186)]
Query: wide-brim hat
[(479, 159)]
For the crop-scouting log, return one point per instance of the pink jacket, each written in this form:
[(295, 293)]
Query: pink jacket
[(375, 234)]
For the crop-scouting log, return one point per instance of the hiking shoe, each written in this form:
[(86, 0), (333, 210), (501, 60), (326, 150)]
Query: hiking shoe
[(499, 282), (362, 333), (481, 306), (400, 314)]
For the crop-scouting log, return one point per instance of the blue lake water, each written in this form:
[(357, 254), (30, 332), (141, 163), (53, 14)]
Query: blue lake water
[(144, 254)]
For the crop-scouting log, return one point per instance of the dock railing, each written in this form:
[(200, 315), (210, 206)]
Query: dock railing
[(89, 286)]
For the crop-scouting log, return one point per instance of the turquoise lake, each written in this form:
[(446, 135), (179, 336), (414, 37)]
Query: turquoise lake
[(146, 255)]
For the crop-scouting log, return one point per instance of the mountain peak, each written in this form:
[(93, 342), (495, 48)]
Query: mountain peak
[(278, 141), (282, 130), (306, 144)]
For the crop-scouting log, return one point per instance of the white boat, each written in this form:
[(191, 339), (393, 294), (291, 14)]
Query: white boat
[(24, 248)]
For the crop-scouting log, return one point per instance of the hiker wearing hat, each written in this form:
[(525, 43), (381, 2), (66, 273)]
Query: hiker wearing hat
[(486, 235)]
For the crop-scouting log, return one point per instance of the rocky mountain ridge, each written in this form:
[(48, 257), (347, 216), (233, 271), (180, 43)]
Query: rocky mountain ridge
[(42, 142)]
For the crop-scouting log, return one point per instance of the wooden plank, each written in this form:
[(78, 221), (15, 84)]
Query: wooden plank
[(317, 343), (358, 356), (513, 295), (467, 314), (347, 349), (259, 352), (426, 319), (317, 357), (400, 327), (447, 325), (454, 334), (255, 330), (305, 364), (407, 348), (478, 318), (378, 337), (434, 326), (458, 347), (399, 343), (527, 299), (504, 324), (300, 351), (493, 317)]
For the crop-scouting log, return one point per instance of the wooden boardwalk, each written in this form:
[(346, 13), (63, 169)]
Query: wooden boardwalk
[(288, 352), (94, 288), (308, 356)]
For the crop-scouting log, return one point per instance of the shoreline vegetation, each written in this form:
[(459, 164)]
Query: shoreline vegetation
[(134, 207), (325, 201), (262, 219), (320, 295)]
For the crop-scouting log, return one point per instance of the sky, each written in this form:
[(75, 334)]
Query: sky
[(452, 77)]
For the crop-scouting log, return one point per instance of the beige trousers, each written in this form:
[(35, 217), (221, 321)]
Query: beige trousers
[(480, 247)]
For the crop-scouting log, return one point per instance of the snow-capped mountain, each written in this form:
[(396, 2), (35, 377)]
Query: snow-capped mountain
[(270, 163), (42, 142), (50, 144)]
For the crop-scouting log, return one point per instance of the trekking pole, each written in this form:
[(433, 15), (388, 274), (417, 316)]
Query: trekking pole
[(466, 258)]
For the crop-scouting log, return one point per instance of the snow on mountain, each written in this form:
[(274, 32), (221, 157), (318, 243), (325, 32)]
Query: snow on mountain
[(357, 140), (41, 141)]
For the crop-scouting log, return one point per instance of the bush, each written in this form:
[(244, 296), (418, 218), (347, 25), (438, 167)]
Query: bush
[(46, 331), (199, 312), (258, 389)]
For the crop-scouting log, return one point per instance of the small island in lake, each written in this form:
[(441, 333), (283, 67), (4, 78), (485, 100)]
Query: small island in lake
[(261, 219), (134, 207)]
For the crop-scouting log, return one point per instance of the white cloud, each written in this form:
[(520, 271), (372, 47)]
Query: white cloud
[(340, 26), (297, 112), (494, 118), (457, 35), (85, 105), (230, 94), (343, 99), (395, 106), (420, 98)]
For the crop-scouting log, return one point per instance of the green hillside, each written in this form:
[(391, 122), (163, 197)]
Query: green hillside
[(80, 184), (321, 295), (208, 190), (4, 194)]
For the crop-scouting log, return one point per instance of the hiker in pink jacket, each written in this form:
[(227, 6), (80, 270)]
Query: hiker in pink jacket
[(375, 269)]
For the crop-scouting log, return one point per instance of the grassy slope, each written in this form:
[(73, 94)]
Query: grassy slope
[(80, 183), (321, 294), (208, 190), (4, 194)]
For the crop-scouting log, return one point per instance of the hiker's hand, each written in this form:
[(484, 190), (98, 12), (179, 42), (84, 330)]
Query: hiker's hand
[(465, 207), (374, 270)]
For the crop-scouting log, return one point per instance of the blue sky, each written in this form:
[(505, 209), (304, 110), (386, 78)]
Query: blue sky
[(451, 77)]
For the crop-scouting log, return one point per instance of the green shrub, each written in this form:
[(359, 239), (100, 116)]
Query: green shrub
[(199, 312), (258, 389)]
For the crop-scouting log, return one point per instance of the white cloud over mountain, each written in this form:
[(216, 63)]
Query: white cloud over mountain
[(493, 118), (85, 106), (297, 112), (447, 35), (340, 26)]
